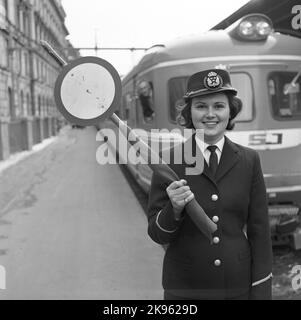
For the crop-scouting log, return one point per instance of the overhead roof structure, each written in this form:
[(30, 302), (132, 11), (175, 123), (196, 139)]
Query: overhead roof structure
[(280, 11)]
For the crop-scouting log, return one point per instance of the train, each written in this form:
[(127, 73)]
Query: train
[(265, 67)]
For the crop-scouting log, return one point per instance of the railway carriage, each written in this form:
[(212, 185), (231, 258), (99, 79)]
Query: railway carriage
[(265, 67)]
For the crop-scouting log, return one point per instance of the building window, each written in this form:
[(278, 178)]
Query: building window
[(3, 13), (12, 110), (39, 107), (29, 109), (43, 107), (4, 52), (26, 64), (37, 28), (33, 110), (22, 16), (37, 68), (26, 22), (16, 60), (22, 105)]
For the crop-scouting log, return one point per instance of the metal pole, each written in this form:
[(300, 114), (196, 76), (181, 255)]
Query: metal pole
[(96, 42), (53, 53)]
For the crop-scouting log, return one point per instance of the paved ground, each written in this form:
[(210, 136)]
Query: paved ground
[(71, 229)]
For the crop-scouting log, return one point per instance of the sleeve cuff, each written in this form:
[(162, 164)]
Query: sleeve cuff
[(166, 221), (257, 283)]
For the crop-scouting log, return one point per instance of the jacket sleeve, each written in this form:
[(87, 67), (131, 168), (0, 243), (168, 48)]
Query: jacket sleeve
[(258, 230), (162, 225)]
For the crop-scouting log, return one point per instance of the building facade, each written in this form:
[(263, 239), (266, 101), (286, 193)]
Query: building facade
[(27, 72)]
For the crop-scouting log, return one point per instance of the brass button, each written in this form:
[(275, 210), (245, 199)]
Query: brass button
[(214, 198), (215, 219), (216, 240), (217, 263)]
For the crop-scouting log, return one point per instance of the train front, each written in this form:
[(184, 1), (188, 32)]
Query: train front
[(273, 123)]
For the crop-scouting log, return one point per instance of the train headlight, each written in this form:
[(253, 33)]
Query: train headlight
[(246, 28), (253, 27), (263, 28)]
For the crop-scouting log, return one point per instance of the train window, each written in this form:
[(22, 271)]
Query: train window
[(127, 103), (284, 96), (242, 82), (146, 100), (177, 89)]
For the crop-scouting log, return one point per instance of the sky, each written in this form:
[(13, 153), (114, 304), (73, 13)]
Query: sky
[(139, 23)]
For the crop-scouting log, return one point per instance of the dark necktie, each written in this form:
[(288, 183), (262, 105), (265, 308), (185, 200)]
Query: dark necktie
[(213, 161)]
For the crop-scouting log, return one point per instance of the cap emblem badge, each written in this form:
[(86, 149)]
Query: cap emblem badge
[(213, 81)]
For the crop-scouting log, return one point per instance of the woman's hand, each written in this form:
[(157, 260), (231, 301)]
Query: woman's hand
[(180, 195)]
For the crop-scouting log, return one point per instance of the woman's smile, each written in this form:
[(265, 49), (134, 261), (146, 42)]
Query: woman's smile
[(211, 124)]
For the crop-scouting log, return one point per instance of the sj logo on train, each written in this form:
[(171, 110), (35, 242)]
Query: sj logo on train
[(2, 278), (266, 139)]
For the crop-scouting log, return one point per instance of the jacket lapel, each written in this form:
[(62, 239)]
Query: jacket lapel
[(229, 159), (207, 172), (191, 151)]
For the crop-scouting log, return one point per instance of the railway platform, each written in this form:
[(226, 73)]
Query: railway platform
[(72, 229)]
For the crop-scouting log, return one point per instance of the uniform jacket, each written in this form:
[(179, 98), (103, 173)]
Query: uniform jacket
[(240, 258)]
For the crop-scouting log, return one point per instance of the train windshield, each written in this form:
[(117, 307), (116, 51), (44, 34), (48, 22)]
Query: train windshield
[(285, 97), (243, 84), (241, 81)]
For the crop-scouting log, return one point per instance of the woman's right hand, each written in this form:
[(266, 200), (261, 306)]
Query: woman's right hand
[(180, 195)]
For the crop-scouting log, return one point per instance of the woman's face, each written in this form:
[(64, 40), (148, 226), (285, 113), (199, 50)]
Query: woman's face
[(211, 113)]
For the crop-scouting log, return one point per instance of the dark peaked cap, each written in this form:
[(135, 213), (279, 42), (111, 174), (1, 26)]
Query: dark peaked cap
[(207, 82)]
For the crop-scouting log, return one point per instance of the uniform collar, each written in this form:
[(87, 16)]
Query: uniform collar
[(203, 145), (229, 158)]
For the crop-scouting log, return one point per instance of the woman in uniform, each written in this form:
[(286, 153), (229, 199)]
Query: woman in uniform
[(237, 264)]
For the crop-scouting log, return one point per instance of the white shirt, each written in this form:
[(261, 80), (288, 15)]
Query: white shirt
[(203, 146)]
